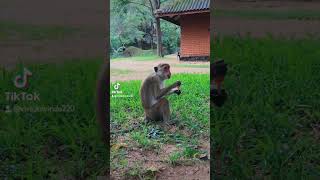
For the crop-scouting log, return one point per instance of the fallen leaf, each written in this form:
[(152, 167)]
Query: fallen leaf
[(118, 146)]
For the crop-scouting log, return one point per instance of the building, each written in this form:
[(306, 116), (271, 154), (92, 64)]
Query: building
[(193, 16)]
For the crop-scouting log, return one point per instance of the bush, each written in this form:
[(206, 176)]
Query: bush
[(132, 51)]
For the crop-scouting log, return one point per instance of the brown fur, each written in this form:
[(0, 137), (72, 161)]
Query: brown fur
[(152, 93)]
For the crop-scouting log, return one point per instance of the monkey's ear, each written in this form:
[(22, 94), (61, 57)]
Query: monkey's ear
[(156, 69)]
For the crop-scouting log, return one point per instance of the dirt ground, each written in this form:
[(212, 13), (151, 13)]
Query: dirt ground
[(86, 16), (157, 161), (259, 28), (266, 4), (139, 70)]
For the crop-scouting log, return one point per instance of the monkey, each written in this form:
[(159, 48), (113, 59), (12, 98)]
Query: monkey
[(153, 92)]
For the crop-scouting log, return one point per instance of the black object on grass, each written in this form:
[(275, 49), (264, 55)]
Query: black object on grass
[(218, 99), (177, 92), (219, 70)]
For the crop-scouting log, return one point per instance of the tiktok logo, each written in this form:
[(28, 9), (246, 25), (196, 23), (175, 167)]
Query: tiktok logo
[(22, 81), (8, 109), (117, 86)]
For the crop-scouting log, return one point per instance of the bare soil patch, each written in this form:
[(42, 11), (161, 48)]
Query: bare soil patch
[(139, 70), (88, 17), (274, 5), (261, 27), (155, 163)]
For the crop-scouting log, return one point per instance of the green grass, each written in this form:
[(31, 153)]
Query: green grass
[(269, 14), (266, 128), (15, 31), (49, 145), (185, 108), (148, 57), (192, 65), (175, 157)]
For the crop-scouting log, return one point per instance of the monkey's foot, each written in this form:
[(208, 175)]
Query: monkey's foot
[(170, 123), (147, 120)]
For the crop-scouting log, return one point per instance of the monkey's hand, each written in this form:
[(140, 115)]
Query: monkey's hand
[(177, 90), (177, 83), (173, 88)]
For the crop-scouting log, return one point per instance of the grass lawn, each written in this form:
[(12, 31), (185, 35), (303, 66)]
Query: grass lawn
[(269, 126), (147, 57), (269, 14), (192, 127), (52, 145)]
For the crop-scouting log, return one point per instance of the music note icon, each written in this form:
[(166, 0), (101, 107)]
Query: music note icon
[(23, 81)]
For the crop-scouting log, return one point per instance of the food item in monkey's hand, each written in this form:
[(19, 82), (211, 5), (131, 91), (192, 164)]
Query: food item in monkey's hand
[(218, 99), (177, 90)]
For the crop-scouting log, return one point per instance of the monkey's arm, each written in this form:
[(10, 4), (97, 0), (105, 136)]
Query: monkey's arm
[(168, 90)]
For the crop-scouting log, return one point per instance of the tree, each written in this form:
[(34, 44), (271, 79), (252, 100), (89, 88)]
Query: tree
[(144, 9), (124, 25), (134, 23), (154, 6)]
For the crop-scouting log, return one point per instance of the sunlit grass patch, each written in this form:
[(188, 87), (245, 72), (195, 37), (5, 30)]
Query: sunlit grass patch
[(185, 108)]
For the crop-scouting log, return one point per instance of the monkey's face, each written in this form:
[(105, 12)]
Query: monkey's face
[(163, 70), (166, 72)]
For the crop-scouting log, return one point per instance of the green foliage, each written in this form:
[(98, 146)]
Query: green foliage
[(125, 26), (132, 23), (266, 128), (171, 37)]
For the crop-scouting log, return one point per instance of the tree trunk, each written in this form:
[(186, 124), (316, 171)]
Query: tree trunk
[(156, 5), (159, 38), (151, 35)]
